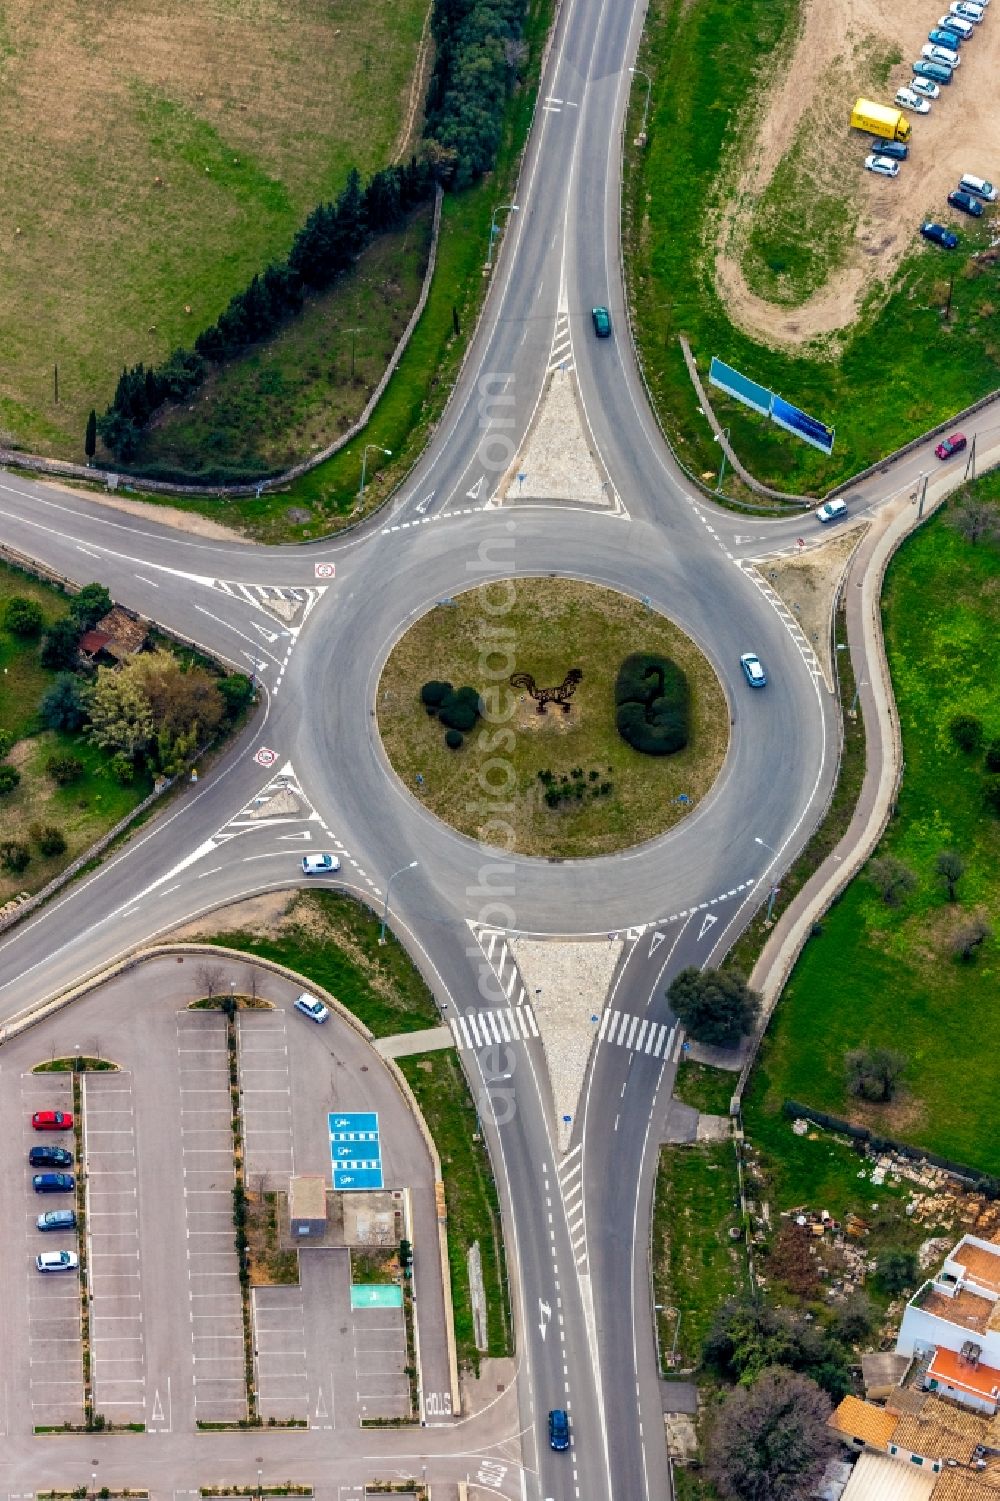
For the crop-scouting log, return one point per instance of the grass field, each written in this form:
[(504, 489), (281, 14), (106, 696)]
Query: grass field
[(333, 940), (552, 627), (901, 370), (470, 1193), (884, 975), (695, 1264), (298, 391), (324, 500), (164, 176), (707, 1089), (84, 810)]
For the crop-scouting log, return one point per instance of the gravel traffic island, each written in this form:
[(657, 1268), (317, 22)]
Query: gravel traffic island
[(567, 983), (557, 462)]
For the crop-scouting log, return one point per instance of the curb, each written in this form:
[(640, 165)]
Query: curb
[(22, 1021)]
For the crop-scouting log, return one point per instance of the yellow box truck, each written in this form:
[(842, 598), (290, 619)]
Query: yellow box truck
[(880, 120)]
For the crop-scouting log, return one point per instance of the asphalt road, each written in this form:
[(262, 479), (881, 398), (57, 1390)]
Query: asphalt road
[(584, 1331)]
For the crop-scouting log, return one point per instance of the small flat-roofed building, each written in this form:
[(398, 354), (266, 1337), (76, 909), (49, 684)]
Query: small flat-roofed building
[(878, 1478), (307, 1206)]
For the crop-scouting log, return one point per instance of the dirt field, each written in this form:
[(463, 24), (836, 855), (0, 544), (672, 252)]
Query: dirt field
[(156, 154), (809, 109)]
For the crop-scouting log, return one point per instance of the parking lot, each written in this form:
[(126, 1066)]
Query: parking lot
[(166, 1312)]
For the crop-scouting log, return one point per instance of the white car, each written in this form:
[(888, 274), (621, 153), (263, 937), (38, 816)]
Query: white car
[(936, 54), (968, 10), (882, 165), (907, 99), (978, 187), (959, 26), (319, 865), (57, 1261), (311, 1007), (833, 510), (926, 88)]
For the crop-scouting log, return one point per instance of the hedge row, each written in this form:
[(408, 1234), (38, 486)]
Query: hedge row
[(652, 701)]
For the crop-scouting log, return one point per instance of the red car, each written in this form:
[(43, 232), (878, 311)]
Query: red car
[(52, 1120), (951, 445)]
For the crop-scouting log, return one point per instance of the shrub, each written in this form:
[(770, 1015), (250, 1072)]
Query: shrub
[(653, 704), (993, 756), (14, 855), (453, 739), (991, 793), (23, 617), (50, 839), (6, 741), (64, 706), (60, 644), (891, 878), (237, 693), (64, 769), (434, 693), (87, 608), (460, 709), (9, 777), (966, 731), (123, 769)]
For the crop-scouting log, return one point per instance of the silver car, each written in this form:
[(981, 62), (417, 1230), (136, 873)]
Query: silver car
[(882, 165)]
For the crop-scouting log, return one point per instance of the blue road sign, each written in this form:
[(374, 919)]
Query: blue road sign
[(355, 1149)]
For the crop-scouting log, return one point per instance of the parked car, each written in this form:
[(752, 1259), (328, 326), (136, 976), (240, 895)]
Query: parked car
[(964, 29), (978, 187), (53, 1183), (897, 151), (937, 72), (558, 1429), (966, 203), (907, 99), (52, 1120), (50, 1157), (752, 670), (882, 165), (57, 1219), (602, 322), (57, 1261), (833, 510), (946, 55), (942, 36), (949, 446), (925, 87), (968, 10), (946, 238), (311, 1007), (319, 865)]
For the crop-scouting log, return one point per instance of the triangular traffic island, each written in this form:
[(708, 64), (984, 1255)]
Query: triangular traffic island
[(557, 463), (567, 981)]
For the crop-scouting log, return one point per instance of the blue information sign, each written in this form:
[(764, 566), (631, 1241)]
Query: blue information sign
[(355, 1149)]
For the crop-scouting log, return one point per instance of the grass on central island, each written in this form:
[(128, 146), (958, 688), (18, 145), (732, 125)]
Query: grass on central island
[(492, 780)]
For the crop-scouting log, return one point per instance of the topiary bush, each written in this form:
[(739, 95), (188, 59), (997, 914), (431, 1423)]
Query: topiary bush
[(652, 700), (434, 693), (454, 739), (460, 709)]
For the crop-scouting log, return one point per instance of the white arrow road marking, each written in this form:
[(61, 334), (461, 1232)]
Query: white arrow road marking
[(422, 505), (657, 940), (321, 1411), (283, 837), (707, 921), (269, 636), (157, 1416), (545, 1314), (476, 490)]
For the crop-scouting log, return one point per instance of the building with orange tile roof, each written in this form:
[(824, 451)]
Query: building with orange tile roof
[(965, 1380), (862, 1424)]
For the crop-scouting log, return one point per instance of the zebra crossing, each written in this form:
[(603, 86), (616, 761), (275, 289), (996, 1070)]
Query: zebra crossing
[(483, 1029), (638, 1034), (499, 956)]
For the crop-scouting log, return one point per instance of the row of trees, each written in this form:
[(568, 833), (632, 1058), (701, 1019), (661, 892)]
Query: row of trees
[(323, 249), (479, 51)]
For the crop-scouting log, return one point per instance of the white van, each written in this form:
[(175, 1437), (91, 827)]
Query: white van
[(978, 187), (833, 510)]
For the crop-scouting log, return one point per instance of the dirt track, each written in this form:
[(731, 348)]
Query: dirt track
[(826, 73)]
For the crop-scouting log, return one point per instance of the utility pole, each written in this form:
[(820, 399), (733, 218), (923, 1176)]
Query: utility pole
[(951, 288), (353, 333), (55, 382), (970, 463)]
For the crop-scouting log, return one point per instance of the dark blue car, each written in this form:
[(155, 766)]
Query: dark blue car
[(938, 235), (558, 1429), (53, 1183)]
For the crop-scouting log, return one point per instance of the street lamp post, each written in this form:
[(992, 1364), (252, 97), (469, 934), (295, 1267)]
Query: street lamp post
[(364, 463), (758, 840), (388, 887), (501, 208), (722, 467), (645, 112)]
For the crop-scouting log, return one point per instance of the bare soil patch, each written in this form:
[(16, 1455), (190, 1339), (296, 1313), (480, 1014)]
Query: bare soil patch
[(830, 66), (808, 585)]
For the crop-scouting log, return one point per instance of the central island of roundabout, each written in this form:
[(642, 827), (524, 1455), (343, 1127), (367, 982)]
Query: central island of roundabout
[(551, 717)]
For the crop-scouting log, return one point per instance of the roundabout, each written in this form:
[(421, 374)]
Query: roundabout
[(538, 769)]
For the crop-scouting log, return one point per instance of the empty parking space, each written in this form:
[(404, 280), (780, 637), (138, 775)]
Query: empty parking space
[(118, 1357), (52, 1302), (280, 1346), (266, 1096), (213, 1279), (380, 1361)]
